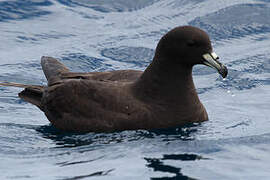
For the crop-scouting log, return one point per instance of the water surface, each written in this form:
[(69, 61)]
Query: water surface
[(101, 35)]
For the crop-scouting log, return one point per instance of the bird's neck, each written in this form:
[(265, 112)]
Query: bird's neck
[(165, 82)]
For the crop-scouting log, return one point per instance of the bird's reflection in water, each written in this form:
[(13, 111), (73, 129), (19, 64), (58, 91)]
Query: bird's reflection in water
[(65, 139), (96, 141), (184, 133), (157, 164)]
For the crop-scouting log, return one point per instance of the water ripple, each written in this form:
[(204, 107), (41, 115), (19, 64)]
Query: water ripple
[(106, 6), (14, 10), (139, 56), (99, 173), (79, 62), (236, 21)]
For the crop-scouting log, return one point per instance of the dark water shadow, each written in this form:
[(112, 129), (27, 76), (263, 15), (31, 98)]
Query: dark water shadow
[(68, 140), (157, 164), (95, 174), (63, 139), (67, 163), (184, 133)]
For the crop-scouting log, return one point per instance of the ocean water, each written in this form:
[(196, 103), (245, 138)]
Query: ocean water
[(101, 35)]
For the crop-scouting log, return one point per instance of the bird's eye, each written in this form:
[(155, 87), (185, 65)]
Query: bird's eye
[(191, 43)]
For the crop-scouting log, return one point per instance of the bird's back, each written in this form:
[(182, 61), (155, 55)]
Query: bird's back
[(93, 105)]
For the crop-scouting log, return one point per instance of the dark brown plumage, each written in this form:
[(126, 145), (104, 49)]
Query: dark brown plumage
[(162, 96)]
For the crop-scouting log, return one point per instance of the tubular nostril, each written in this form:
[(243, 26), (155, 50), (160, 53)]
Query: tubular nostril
[(214, 56)]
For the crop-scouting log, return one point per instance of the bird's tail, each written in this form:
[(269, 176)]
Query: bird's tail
[(31, 93)]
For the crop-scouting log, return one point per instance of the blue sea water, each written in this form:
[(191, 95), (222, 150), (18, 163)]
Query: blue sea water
[(101, 35)]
